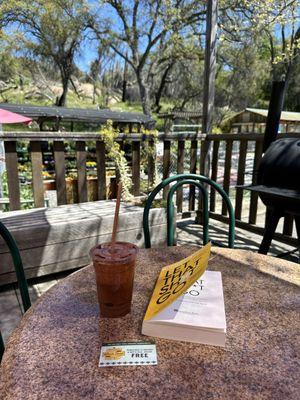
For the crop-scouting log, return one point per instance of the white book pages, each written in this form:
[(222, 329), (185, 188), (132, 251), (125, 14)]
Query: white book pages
[(201, 307)]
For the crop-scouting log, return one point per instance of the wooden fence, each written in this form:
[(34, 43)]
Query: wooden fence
[(248, 147), (229, 165)]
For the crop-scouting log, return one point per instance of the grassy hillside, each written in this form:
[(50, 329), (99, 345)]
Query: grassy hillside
[(45, 93)]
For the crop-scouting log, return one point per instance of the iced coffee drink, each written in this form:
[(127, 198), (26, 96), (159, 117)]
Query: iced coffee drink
[(114, 269)]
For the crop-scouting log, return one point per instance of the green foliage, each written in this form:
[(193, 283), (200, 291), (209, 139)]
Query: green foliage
[(163, 46), (26, 192), (109, 135), (52, 30), (127, 106), (273, 24), (240, 82), (157, 203)]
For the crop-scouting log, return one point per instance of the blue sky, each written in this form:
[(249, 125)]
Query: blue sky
[(88, 54), (89, 47)]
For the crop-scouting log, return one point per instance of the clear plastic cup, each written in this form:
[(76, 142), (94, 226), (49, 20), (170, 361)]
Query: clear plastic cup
[(114, 269)]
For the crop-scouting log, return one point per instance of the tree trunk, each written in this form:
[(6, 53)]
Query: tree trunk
[(144, 94), (162, 85), (62, 100), (124, 85)]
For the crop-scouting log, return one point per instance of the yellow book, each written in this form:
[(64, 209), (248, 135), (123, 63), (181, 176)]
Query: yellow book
[(176, 278), (187, 302)]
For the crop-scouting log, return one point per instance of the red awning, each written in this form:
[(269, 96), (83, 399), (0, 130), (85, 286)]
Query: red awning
[(8, 117)]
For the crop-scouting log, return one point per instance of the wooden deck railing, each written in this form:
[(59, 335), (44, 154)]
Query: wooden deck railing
[(35, 145), (241, 149), (234, 159)]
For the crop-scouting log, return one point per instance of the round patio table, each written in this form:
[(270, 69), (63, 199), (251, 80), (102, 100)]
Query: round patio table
[(54, 352)]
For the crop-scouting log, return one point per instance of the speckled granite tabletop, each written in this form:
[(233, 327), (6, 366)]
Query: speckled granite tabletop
[(54, 352)]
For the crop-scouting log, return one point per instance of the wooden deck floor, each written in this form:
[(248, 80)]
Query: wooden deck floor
[(188, 233)]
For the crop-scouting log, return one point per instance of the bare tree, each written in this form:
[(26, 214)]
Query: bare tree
[(52, 30), (274, 24), (138, 28)]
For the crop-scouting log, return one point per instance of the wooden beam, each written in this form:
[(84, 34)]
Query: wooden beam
[(227, 170), (90, 136), (101, 169), (151, 162), (60, 171), (11, 159), (210, 65), (81, 171), (166, 165), (254, 195), (180, 170), (136, 173), (214, 174), (193, 170), (240, 179), (37, 173)]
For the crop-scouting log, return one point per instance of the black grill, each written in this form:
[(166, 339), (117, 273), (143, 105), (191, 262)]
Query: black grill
[(278, 175), (278, 185)]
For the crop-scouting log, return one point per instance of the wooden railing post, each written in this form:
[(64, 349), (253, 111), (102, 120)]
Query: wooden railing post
[(60, 171), (254, 195), (101, 169), (166, 165), (136, 161), (204, 157), (227, 170), (81, 171), (204, 170), (240, 179), (180, 170), (11, 160), (37, 173), (245, 139), (151, 162), (193, 170), (214, 173)]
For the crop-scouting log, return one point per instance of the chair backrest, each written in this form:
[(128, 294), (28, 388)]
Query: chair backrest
[(196, 180), (17, 261)]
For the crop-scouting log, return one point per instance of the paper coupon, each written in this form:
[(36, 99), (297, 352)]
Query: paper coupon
[(127, 354)]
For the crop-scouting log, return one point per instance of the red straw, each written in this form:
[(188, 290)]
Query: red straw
[(116, 218)]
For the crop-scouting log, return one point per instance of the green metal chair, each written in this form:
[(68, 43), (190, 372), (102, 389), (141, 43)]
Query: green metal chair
[(15, 253), (192, 179)]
